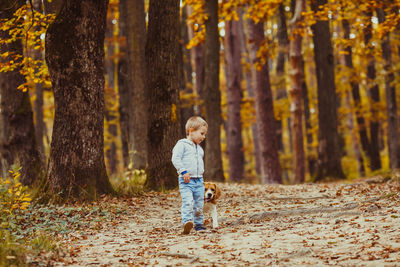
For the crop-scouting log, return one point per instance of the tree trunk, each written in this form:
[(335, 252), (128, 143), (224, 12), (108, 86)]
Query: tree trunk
[(198, 52), (311, 156), (75, 57), (124, 82), (295, 92), (186, 72), (354, 141), (269, 157), (234, 97), (212, 95), (374, 98), (283, 42), (391, 107), (39, 122), (329, 150), (250, 91), (136, 38), (38, 104), (163, 92), (52, 6), (347, 61), (197, 56), (110, 99), (355, 91), (17, 132)]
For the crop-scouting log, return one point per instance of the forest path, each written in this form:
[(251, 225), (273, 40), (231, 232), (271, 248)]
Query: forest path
[(260, 225)]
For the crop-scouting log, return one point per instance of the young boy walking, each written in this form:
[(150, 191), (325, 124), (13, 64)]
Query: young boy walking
[(187, 157)]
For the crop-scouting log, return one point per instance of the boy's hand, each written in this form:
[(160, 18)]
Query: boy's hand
[(186, 177)]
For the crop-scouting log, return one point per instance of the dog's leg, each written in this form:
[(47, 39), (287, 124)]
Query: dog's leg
[(214, 216)]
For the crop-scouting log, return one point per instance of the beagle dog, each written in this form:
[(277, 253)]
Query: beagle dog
[(211, 194)]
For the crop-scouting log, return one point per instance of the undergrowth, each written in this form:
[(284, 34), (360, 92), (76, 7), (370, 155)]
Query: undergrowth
[(31, 233), (132, 182), (14, 199)]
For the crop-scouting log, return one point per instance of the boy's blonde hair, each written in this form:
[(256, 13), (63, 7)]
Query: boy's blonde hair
[(195, 122)]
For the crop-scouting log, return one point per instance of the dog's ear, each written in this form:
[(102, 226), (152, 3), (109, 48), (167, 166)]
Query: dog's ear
[(217, 192)]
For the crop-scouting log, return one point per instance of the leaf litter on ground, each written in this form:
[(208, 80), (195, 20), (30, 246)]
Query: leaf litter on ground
[(343, 224)]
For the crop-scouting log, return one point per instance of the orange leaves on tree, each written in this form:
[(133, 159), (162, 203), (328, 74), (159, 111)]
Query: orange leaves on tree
[(29, 28), (261, 10), (196, 21)]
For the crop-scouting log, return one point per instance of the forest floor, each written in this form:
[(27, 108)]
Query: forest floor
[(334, 224)]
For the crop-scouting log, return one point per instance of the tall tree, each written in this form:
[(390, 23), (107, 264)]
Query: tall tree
[(197, 57), (373, 92), (295, 92), (17, 132), (355, 91), (198, 54), (40, 127), (269, 157), (311, 157), (187, 110), (247, 71), (329, 151), (347, 61), (234, 97), (212, 94), (75, 58), (283, 43), (136, 40), (110, 94), (391, 106), (163, 83), (124, 82)]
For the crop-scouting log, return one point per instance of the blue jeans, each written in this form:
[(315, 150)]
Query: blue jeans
[(192, 194)]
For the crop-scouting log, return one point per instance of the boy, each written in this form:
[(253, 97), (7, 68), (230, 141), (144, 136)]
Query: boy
[(187, 157)]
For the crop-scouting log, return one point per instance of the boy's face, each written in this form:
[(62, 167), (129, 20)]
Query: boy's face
[(198, 136)]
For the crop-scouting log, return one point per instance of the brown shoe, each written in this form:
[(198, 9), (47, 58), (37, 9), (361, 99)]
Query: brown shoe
[(187, 227)]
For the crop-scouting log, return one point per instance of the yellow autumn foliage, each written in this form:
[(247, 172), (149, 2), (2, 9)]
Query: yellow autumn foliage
[(13, 196), (29, 27)]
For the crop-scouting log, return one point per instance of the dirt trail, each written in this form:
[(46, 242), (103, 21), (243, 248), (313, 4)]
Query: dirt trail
[(300, 225)]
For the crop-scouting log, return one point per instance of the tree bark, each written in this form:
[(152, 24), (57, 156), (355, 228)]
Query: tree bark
[(197, 56), (373, 91), (40, 126), (355, 91), (39, 122), (75, 57), (283, 42), (124, 82), (111, 127), (329, 150), (391, 106), (17, 132), (187, 110), (347, 61), (269, 157), (162, 82), (250, 91), (234, 97), (136, 40), (295, 92), (212, 95), (52, 6), (311, 156)]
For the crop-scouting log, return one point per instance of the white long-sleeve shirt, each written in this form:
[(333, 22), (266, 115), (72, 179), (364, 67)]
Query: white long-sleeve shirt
[(187, 156)]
